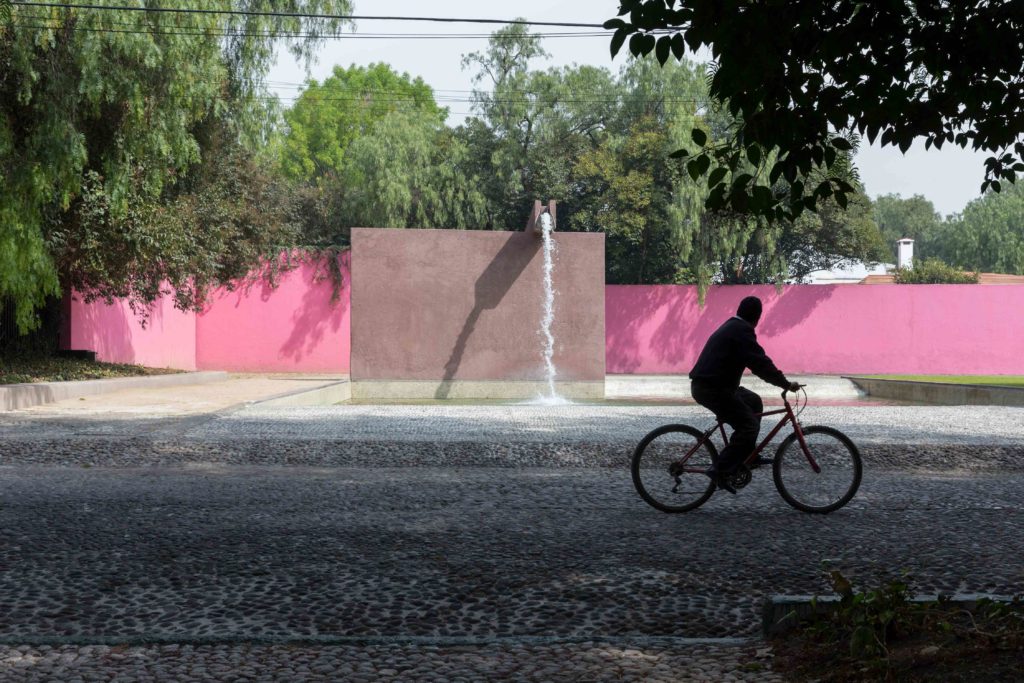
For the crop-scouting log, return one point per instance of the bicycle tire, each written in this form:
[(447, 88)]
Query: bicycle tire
[(839, 460), (650, 460)]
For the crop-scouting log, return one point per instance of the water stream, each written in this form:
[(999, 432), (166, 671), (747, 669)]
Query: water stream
[(547, 336)]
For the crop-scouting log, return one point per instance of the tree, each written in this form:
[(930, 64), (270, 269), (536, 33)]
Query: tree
[(625, 196), (799, 77), (100, 111), (408, 172), (988, 236), (226, 216), (914, 217), (329, 116), (510, 109)]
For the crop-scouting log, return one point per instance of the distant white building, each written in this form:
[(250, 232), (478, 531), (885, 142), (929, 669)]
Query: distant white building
[(850, 274), (857, 272)]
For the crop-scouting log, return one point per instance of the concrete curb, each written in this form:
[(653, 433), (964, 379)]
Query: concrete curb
[(678, 386), (336, 392), (20, 396), (782, 613), (941, 393), (429, 641)]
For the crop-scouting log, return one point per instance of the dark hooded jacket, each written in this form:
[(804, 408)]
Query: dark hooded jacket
[(730, 349)]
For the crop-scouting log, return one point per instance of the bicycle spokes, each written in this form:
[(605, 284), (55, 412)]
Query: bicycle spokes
[(819, 471)]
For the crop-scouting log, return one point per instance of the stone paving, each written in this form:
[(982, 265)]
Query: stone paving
[(587, 661), (474, 559)]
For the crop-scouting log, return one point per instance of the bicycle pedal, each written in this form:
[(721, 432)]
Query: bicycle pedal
[(762, 461)]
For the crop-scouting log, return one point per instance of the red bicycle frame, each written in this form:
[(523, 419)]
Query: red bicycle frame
[(790, 417)]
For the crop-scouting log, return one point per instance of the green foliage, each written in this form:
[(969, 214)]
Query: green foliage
[(932, 271), (622, 196), (221, 221), (329, 116), (407, 172), (887, 634), (371, 150), (598, 142), (100, 116), (913, 217), (988, 236), (799, 77)]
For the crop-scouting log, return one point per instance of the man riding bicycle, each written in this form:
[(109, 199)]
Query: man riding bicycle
[(715, 384)]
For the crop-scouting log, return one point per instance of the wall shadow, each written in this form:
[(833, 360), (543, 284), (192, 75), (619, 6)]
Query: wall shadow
[(318, 314), (661, 328), (490, 288), (104, 329), (793, 307)]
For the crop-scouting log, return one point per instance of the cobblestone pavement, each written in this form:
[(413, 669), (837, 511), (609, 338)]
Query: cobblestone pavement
[(474, 560), (521, 423), (587, 661)]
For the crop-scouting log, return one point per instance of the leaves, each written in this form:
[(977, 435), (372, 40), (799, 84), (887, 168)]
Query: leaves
[(897, 72), (104, 125)]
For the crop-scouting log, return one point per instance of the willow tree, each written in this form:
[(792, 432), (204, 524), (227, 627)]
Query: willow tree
[(107, 108)]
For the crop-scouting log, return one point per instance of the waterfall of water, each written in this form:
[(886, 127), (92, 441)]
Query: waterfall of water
[(549, 310)]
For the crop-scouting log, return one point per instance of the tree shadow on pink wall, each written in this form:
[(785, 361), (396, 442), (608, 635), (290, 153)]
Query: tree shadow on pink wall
[(317, 315), (104, 329), (787, 311), (663, 326), (490, 288)]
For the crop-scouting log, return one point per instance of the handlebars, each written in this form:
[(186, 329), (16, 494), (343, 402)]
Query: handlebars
[(787, 390)]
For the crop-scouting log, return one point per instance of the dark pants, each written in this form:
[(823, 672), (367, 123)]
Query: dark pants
[(736, 408)]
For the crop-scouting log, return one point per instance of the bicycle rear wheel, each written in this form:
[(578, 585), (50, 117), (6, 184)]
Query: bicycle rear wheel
[(665, 476), (824, 491)]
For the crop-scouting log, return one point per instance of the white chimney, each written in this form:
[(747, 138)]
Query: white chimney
[(905, 253)]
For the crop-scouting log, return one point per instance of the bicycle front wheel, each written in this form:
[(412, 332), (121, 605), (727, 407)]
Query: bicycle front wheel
[(668, 468), (828, 489)]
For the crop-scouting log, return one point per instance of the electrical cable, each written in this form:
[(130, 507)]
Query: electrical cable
[(303, 15)]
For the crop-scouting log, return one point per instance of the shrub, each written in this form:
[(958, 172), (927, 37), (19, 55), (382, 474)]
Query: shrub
[(933, 272)]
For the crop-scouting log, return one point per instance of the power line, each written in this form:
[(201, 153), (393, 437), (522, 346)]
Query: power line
[(303, 15), (197, 31)]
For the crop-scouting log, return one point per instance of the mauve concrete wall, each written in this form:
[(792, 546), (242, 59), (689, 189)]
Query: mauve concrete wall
[(830, 329), (114, 332), (467, 305), (295, 327)]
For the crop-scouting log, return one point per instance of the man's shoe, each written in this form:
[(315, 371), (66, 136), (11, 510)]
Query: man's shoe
[(721, 480), (758, 462)]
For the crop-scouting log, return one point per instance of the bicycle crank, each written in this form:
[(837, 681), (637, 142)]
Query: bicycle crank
[(741, 477)]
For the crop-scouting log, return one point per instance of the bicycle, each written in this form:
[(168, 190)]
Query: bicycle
[(820, 474)]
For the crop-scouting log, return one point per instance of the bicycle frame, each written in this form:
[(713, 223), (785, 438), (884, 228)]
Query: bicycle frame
[(790, 417)]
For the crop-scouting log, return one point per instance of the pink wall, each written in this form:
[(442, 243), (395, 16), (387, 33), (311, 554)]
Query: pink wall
[(293, 328), (829, 329), (116, 335)]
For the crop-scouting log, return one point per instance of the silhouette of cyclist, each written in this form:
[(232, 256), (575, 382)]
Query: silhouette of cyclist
[(715, 384)]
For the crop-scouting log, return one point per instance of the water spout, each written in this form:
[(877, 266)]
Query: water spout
[(548, 337)]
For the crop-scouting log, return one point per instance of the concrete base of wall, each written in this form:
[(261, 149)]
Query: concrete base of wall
[(678, 387), (941, 393), (20, 396), (464, 389), (320, 396)]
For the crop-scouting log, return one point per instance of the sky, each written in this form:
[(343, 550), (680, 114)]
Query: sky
[(950, 177)]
